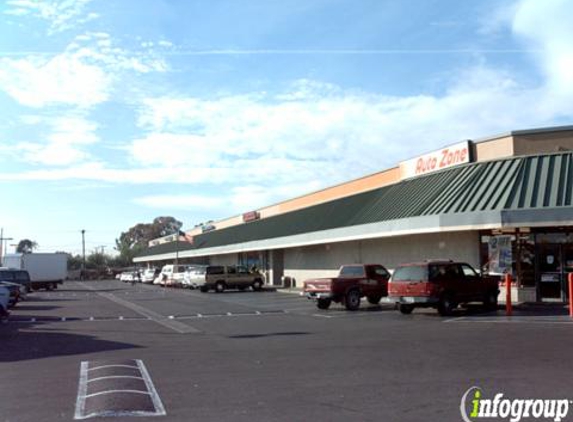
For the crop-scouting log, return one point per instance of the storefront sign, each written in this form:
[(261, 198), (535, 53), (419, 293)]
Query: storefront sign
[(500, 257), (450, 156), (251, 216)]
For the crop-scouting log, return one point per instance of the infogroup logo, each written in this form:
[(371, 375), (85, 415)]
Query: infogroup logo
[(474, 407)]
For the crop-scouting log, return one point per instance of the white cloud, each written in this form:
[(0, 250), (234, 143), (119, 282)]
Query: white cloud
[(84, 75), (235, 201), (307, 134), (64, 79), (316, 134), (61, 15), (183, 202), (547, 26), (64, 143)]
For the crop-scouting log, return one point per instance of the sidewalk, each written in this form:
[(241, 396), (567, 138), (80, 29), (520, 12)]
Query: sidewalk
[(539, 308), (290, 290)]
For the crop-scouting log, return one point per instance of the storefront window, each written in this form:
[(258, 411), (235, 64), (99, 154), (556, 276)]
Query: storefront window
[(502, 253), (250, 260)]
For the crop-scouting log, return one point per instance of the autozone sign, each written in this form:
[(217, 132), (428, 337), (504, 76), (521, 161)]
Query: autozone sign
[(450, 156)]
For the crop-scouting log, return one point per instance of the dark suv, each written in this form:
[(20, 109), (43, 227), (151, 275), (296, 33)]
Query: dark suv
[(442, 285), (14, 275)]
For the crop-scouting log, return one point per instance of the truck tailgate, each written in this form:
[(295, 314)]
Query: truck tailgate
[(317, 285)]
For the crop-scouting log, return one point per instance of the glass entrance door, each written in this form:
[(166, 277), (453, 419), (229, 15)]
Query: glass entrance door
[(550, 271)]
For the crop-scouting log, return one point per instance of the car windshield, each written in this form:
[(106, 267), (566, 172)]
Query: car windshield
[(352, 271), (7, 275)]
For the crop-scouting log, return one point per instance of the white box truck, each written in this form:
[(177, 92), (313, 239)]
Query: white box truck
[(46, 270)]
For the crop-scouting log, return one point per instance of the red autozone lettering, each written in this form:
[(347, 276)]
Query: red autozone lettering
[(425, 165), (449, 156), (452, 157)]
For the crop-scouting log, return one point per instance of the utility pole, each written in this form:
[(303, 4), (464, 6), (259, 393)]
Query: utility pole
[(83, 255), (3, 244)]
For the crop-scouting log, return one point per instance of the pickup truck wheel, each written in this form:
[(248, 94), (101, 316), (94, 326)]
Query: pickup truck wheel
[(446, 305), (323, 303), (352, 300), (220, 287), (257, 285), (490, 301), (406, 309), (374, 300)]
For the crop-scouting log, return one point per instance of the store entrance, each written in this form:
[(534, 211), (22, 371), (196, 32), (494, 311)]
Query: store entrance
[(555, 261)]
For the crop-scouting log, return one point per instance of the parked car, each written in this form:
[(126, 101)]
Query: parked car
[(4, 300), (171, 275), (442, 285), (14, 292), (194, 276), (126, 276), (222, 277), (14, 275), (149, 274), (352, 283)]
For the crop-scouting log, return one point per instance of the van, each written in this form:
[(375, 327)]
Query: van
[(194, 276), (222, 277), (171, 275)]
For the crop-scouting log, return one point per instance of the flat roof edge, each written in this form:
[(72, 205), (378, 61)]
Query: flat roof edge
[(532, 131)]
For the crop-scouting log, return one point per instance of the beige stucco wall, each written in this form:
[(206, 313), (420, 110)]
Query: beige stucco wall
[(543, 143), (494, 149), (363, 184), (228, 259), (324, 260)]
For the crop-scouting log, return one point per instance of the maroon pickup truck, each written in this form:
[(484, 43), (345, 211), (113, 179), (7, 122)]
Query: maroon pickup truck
[(353, 283), (442, 285)]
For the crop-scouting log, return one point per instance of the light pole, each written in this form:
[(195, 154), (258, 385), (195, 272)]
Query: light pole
[(82, 275)]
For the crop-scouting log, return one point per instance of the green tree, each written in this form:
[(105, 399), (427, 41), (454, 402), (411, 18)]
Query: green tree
[(74, 262), (136, 239), (26, 246), (97, 260)]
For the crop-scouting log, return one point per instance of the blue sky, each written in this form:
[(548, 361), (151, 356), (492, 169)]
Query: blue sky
[(114, 113)]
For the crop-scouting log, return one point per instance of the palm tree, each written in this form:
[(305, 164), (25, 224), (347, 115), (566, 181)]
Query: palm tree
[(26, 246)]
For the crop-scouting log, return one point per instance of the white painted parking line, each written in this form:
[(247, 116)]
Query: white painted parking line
[(114, 377), (102, 393), (122, 396), (154, 316), (95, 368), (82, 391)]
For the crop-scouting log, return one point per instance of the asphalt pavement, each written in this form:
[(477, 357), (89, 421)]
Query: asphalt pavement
[(107, 350)]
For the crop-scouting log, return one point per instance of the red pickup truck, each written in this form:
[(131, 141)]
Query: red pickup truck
[(353, 283)]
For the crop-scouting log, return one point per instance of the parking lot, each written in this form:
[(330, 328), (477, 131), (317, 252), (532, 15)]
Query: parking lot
[(245, 356)]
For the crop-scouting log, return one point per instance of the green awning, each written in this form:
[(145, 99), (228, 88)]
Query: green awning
[(520, 183)]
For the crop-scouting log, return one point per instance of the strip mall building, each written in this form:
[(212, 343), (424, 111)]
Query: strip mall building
[(503, 204)]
